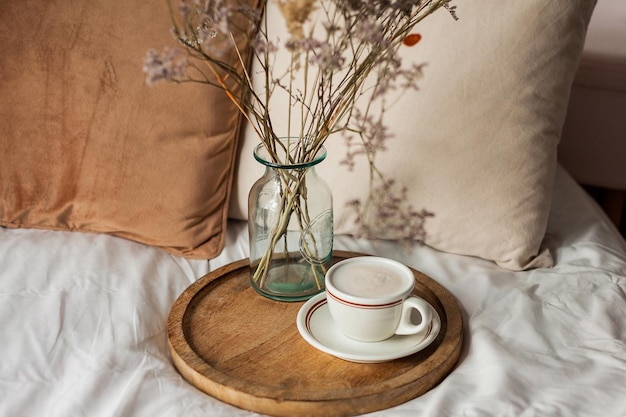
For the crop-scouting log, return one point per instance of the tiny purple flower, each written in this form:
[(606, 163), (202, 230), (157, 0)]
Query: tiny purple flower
[(169, 65)]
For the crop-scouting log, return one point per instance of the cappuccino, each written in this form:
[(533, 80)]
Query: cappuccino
[(370, 299), (369, 280)]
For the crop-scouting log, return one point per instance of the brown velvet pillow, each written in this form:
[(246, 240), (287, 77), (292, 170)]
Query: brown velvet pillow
[(86, 145)]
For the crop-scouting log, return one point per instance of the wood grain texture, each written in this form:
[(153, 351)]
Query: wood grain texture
[(245, 350)]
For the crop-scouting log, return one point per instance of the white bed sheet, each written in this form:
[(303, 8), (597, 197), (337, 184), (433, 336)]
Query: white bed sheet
[(83, 321)]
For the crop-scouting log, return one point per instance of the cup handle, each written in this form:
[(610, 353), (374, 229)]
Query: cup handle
[(406, 326)]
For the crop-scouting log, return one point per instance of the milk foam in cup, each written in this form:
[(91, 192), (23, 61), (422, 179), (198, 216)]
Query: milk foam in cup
[(370, 299)]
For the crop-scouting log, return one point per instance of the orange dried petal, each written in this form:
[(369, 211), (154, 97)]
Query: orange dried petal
[(412, 39)]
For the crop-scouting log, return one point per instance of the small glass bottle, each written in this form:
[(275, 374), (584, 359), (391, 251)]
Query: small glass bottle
[(290, 219)]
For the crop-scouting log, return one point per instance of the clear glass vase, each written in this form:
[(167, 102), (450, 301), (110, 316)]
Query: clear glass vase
[(290, 218)]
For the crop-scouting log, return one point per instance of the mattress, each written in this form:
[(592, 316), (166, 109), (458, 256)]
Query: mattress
[(83, 320)]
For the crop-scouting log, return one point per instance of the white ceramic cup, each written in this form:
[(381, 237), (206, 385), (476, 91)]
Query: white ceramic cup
[(370, 299)]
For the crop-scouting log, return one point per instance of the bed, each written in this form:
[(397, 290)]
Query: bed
[(84, 323), (89, 274)]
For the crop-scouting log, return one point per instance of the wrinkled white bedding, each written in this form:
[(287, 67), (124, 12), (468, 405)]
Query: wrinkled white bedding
[(83, 321)]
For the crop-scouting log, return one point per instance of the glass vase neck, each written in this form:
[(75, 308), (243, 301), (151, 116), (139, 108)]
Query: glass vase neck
[(296, 158)]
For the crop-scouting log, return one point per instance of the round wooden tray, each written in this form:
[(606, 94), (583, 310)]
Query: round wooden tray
[(245, 350)]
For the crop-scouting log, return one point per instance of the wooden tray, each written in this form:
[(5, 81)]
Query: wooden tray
[(245, 350)]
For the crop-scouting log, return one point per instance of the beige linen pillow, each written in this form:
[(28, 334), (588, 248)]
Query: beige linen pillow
[(87, 146), (477, 143)]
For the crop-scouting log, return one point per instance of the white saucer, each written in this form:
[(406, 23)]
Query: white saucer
[(317, 327)]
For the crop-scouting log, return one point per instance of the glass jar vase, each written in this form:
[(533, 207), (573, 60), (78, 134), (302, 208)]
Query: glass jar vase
[(290, 220)]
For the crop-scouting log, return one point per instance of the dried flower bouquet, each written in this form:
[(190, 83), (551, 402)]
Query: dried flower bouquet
[(340, 53)]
